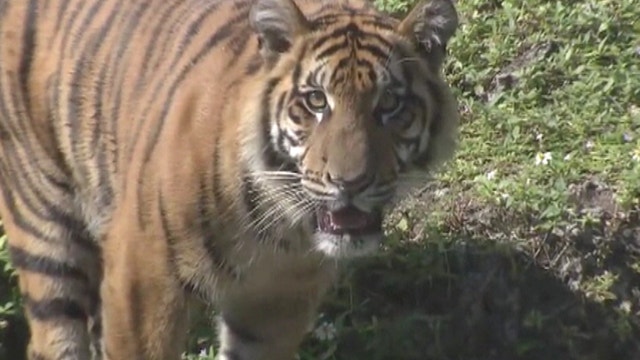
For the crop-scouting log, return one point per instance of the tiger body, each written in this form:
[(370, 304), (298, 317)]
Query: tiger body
[(155, 152)]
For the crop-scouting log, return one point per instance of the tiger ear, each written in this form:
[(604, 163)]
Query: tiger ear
[(278, 23), (430, 25)]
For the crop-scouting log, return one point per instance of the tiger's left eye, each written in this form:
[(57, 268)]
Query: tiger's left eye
[(316, 101), (389, 102)]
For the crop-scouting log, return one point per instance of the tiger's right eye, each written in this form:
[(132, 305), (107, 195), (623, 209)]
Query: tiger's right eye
[(316, 101)]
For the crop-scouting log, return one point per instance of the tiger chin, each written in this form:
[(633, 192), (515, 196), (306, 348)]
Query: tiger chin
[(157, 156)]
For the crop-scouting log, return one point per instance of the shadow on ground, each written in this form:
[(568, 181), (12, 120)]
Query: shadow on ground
[(489, 303)]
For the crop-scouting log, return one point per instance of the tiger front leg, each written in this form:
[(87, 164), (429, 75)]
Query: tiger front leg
[(59, 291), (144, 306)]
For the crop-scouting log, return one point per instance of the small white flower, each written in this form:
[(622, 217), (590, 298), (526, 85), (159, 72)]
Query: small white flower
[(635, 154), (567, 157), (589, 145), (503, 198), (491, 174), (325, 332), (543, 158), (539, 137), (625, 306), (440, 193)]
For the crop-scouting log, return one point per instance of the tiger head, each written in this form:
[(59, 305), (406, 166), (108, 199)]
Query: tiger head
[(353, 103)]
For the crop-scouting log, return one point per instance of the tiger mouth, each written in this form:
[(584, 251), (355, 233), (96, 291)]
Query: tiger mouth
[(349, 221)]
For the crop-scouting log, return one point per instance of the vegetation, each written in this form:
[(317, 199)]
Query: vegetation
[(527, 246)]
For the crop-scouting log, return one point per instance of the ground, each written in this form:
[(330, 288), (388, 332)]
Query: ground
[(527, 245)]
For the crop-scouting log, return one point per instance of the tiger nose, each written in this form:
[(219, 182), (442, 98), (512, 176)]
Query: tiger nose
[(350, 185)]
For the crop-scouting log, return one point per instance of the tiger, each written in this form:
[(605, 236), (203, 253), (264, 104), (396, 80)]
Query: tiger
[(160, 155)]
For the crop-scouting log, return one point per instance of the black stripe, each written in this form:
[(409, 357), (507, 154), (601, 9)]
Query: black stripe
[(380, 23), (208, 229), (285, 138), (375, 50), (250, 198), (28, 48), (195, 28), (313, 77), (18, 218), (117, 67), (164, 220), (272, 158), (280, 107), (66, 33), (254, 65), (292, 141), (106, 194), (341, 32), (55, 308), (218, 195), (280, 142), (62, 9), (331, 50), (82, 30), (54, 215), (75, 105), (3, 7), (207, 232), (21, 140), (44, 207), (23, 260), (137, 318), (223, 33), (325, 37), (95, 42), (153, 44), (297, 70), (62, 185), (100, 81), (169, 236), (237, 45), (352, 14), (48, 210)]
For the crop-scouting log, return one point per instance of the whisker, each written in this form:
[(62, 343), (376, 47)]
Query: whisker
[(275, 199), (261, 227), (303, 210), (277, 210), (282, 174)]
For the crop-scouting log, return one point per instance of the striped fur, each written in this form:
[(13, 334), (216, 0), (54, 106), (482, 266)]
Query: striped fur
[(153, 152)]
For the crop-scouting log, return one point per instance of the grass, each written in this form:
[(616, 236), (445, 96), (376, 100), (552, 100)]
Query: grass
[(527, 246)]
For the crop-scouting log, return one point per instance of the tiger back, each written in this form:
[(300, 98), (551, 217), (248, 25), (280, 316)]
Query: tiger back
[(156, 154)]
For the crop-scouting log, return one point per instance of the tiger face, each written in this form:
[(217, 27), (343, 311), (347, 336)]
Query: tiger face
[(355, 102)]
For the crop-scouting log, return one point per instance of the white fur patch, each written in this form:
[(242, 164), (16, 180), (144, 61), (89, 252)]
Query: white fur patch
[(346, 246)]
